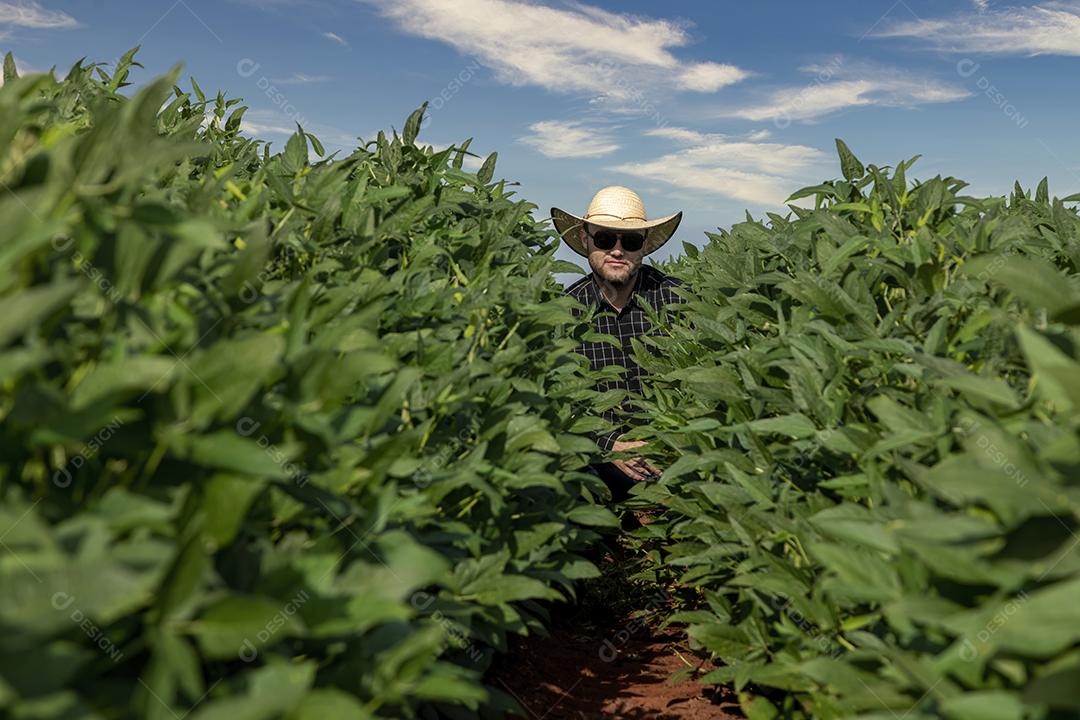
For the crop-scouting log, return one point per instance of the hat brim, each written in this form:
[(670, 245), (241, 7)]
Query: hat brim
[(657, 232)]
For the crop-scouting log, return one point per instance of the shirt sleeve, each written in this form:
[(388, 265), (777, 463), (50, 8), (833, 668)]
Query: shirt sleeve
[(606, 441)]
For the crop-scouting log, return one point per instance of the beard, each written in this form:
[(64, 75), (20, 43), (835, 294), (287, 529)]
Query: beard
[(615, 274)]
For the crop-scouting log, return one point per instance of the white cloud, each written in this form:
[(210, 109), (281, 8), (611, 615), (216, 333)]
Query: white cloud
[(753, 172), (32, 15), (809, 102), (710, 76), (261, 122), (837, 86), (300, 79), (253, 127), (335, 38), (472, 163), (677, 133), (1048, 28), (578, 48), (693, 137), (569, 139)]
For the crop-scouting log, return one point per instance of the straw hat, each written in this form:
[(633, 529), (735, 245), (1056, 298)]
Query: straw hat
[(616, 208)]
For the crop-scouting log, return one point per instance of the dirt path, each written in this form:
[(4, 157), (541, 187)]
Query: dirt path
[(586, 669)]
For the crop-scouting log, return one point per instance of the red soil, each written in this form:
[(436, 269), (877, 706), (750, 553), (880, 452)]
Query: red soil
[(589, 670)]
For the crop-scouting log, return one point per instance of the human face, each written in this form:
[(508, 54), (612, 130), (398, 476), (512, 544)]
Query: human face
[(617, 266)]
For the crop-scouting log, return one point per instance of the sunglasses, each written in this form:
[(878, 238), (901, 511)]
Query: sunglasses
[(606, 239)]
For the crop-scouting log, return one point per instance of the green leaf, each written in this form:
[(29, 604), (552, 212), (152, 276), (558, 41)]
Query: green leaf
[(1035, 281), (701, 425), (487, 170), (10, 72), (117, 380), (176, 661), (409, 564), (459, 156), (236, 119), (898, 418), (329, 702), (23, 309), (65, 705), (295, 156), (857, 206), (984, 705), (103, 589), (995, 390), (991, 473), (757, 707), (316, 145), (1057, 376), (849, 164), (225, 377), (233, 450), (1041, 624), (412, 125), (529, 432), (713, 384), (448, 685), (855, 524), (758, 486), (795, 425), (271, 692), (236, 626), (593, 516), (824, 189), (1055, 689), (858, 574), (727, 642), (125, 511), (1042, 193), (493, 589), (227, 499), (16, 362), (183, 582)]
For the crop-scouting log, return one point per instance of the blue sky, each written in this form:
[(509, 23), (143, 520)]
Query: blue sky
[(712, 108)]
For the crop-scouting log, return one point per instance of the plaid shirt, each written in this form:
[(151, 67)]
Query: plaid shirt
[(652, 287)]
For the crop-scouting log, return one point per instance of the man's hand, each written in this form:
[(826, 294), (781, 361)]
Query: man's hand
[(637, 468)]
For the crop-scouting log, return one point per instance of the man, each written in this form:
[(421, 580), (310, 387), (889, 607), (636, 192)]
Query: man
[(615, 236)]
